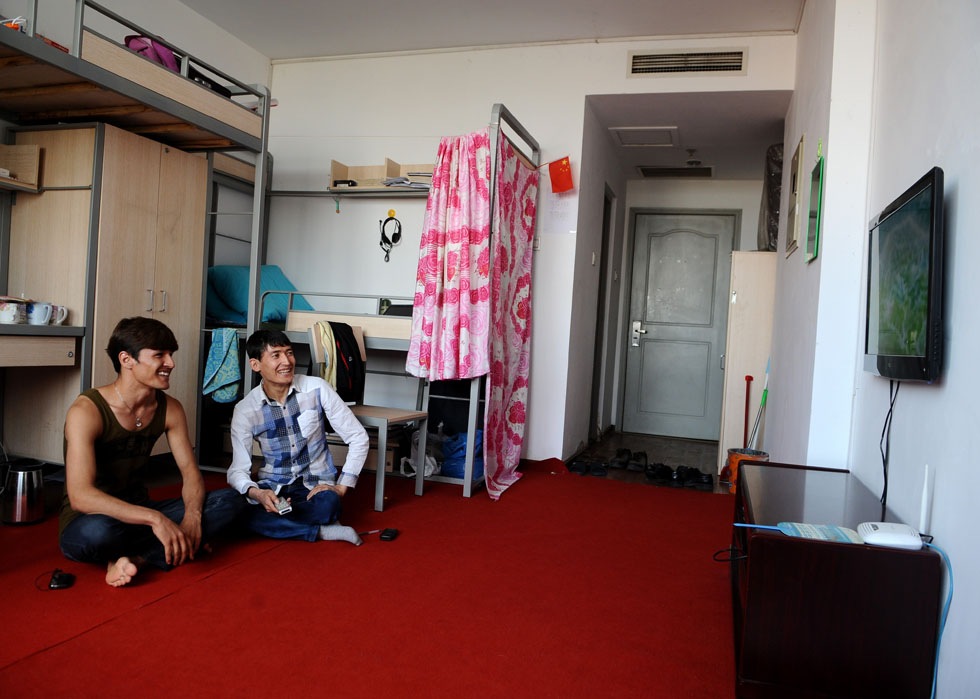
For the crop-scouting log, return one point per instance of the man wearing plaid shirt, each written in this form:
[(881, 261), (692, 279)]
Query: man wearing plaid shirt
[(287, 415)]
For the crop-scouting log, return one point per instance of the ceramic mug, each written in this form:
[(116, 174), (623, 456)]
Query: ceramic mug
[(38, 313), (59, 314), (13, 312)]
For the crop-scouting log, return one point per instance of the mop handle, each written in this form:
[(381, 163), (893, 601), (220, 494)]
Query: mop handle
[(745, 426)]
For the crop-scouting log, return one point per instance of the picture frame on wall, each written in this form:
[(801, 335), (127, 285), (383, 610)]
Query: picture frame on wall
[(815, 211), (795, 203)]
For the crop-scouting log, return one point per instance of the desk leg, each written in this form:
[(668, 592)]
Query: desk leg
[(379, 484), (420, 468)]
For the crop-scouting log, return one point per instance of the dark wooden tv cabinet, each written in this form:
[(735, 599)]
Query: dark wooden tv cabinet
[(821, 619)]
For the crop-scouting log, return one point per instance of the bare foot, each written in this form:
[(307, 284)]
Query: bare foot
[(121, 572)]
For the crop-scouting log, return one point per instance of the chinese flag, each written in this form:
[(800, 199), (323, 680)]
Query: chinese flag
[(561, 175)]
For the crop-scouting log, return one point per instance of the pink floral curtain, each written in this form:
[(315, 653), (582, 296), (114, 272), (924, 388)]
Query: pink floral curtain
[(451, 319), (468, 319), (510, 302)]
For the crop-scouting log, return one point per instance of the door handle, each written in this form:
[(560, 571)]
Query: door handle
[(163, 303), (149, 300), (635, 334)]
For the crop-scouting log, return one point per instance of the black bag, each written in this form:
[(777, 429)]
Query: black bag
[(350, 366)]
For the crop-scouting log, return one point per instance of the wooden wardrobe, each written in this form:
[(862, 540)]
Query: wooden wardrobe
[(117, 230)]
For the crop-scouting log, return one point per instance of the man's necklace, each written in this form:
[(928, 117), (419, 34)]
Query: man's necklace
[(139, 418)]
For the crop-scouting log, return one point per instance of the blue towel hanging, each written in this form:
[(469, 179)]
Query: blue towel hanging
[(222, 373)]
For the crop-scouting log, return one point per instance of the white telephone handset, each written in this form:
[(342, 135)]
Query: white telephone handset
[(890, 534)]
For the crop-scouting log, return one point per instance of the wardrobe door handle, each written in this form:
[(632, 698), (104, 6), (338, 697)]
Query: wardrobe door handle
[(149, 301), (163, 303)]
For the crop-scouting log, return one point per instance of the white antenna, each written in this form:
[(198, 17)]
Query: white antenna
[(925, 510)]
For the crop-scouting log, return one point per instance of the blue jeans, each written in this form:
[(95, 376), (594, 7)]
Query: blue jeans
[(303, 522), (100, 539)]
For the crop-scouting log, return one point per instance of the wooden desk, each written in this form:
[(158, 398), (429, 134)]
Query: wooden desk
[(821, 619)]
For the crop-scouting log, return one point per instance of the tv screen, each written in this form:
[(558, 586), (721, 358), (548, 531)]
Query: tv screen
[(904, 329)]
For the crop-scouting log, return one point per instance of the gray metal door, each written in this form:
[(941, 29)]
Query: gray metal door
[(678, 316)]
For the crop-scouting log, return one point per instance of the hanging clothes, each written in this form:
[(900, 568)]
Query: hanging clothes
[(514, 215), (451, 316), (470, 320)]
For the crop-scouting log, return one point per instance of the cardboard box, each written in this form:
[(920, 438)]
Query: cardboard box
[(393, 456)]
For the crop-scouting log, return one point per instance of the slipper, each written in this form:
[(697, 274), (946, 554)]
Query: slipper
[(578, 466), (637, 462), (597, 468), (621, 459)]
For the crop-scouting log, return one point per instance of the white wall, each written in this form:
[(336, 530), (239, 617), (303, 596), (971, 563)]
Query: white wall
[(925, 115), (798, 284), (883, 84), (359, 111)]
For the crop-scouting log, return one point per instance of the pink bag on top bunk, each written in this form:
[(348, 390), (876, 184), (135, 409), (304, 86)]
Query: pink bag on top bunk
[(153, 50)]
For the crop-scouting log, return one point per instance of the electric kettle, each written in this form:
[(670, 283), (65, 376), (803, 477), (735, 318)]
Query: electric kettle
[(22, 497)]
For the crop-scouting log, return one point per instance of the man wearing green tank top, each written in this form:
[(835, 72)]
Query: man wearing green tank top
[(107, 515)]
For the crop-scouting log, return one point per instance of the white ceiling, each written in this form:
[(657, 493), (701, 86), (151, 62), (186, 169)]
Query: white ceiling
[(728, 131)]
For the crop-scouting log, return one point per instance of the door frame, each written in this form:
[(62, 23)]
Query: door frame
[(624, 318)]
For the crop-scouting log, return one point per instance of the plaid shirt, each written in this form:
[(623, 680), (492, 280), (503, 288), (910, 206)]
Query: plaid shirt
[(293, 437)]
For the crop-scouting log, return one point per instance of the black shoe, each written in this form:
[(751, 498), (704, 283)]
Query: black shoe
[(661, 474), (599, 469), (637, 462), (690, 477), (621, 459)]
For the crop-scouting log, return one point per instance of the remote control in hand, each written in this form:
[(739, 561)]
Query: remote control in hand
[(283, 506)]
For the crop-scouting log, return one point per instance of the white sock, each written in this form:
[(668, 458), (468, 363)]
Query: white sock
[(338, 532)]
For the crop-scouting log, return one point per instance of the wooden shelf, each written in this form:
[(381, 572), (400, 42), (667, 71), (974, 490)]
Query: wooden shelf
[(23, 163), (370, 178), (355, 193)]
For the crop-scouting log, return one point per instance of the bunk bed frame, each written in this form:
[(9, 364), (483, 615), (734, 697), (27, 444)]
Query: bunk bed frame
[(97, 79)]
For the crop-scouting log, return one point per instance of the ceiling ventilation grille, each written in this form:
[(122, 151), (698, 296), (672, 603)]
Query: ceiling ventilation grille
[(687, 62), (655, 171)]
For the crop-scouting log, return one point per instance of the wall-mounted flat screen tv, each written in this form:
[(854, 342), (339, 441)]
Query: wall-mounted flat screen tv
[(904, 328)]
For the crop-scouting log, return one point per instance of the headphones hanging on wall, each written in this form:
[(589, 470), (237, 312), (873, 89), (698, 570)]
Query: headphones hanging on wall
[(396, 234)]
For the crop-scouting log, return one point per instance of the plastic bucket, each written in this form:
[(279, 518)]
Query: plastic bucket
[(735, 457)]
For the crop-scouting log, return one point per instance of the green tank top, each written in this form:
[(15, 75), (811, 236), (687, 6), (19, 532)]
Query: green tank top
[(121, 456)]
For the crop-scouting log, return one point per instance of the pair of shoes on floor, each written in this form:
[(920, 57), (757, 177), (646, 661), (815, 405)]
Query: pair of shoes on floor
[(622, 458), (659, 473), (688, 477), (584, 467), (637, 462)]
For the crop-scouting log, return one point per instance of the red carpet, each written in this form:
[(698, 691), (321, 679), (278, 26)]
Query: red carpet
[(567, 586)]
